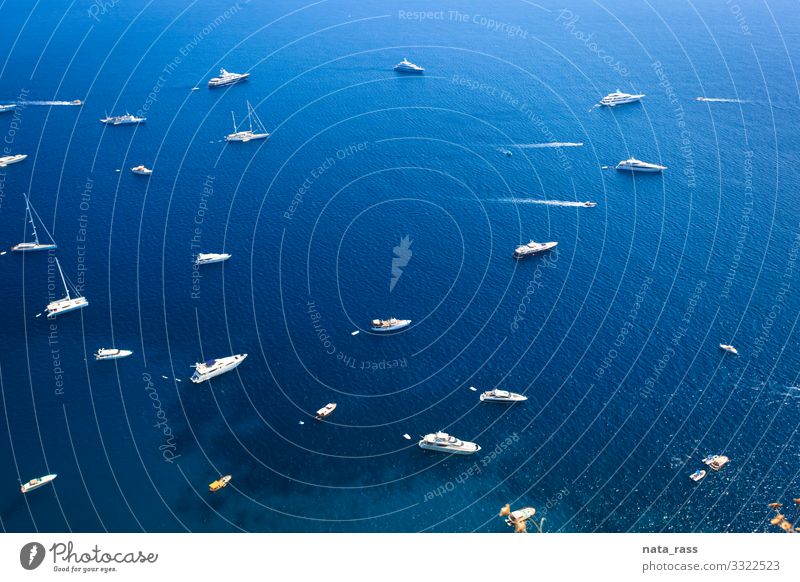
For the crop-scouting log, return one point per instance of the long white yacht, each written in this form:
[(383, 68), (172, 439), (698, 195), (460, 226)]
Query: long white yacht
[(248, 134), (209, 369), (634, 165), (619, 98), (441, 441), (111, 354), (36, 245), (37, 482), (533, 248), (68, 303), (142, 170), (227, 78), (8, 160), (126, 119), (208, 258), (390, 324), (9, 107), (502, 396), (406, 66)]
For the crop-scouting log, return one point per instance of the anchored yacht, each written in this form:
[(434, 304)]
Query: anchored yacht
[(227, 78), (532, 248), (9, 107), (406, 66), (716, 462), (729, 348), (619, 98), (390, 324), (634, 165), (126, 119), (37, 482), (212, 368), (502, 396), (441, 441), (8, 160), (326, 410), (36, 245), (68, 303), (248, 134), (208, 258), (141, 170), (111, 354)]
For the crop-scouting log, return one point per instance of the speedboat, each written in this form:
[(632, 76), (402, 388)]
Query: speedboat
[(697, 475), (141, 170), (406, 66), (502, 396), (634, 165), (227, 78), (68, 303), (729, 348), (36, 245), (716, 462), (532, 248), (589, 204), (76, 102), (441, 441), (208, 258), (126, 119), (520, 516), (326, 410), (38, 482), (8, 160), (619, 98), (211, 368), (111, 354), (390, 324), (219, 483), (248, 134), (505, 152), (9, 107)]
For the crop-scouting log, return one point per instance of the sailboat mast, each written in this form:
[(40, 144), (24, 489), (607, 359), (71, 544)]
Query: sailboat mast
[(30, 219), (250, 115), (233, 117), (64, 281)]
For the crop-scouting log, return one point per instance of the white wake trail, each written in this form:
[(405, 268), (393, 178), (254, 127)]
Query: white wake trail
[(75, 103), (719, 100), (545, 202), (552, 144)]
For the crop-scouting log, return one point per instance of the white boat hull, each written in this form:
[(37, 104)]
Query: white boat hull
[(62, 306), (113, 356), (36, 483), (225, 365), (31, 247), (471, 450)]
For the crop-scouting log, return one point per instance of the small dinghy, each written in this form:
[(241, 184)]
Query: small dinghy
[(697, 475)]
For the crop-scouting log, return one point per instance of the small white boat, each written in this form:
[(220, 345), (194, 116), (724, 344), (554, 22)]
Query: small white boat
[(697, 475), (520, 516), (9, 107), (8, 160), (111, 354), (716, 462), (220, 483), (634, 165), (126, 119), (406, 66), (443, 442), (141, 170), (589, 204), (533, 248), (208, 258), (390, 324), (36, 245), (502, 396), (38, 482), (729, 348), (326, 410)]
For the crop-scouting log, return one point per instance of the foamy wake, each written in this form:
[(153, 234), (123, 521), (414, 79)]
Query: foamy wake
[(552, 144), (72, 103), (537, 201), (719, 100)]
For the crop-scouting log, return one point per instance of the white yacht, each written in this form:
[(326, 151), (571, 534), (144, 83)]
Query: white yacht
[(9, 107), (68, 303), (729, 348), (141, 170), (212, 368), (441, 441), (634, 165), (248, 134), (619, 98), (208, 258), (532, 248), (227, 78), (37, 482), (36, 245), (390, 324), (8, 160), (126, 119), (406, 66), (502, 396), (111, 354)]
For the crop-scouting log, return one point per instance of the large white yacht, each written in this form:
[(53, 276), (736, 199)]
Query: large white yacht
[(634, 165), (406, 66), (212, 368), (126, 119), (619, 98), (68, 303), (9, 107), (502, 396), (441, 441), (37, 482), (36, 245), (111, 354), (227, 78), (208, 258), (390, 324), (248, 134), (532, 248), (8, 160)]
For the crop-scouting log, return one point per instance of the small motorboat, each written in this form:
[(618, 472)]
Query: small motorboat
[(729, 348), (518, 519), (141, 170), (589, 204), (111, 354), (219, 483), (716, 462), (326, 410), (697, 475), (37, 482), (502, 396)]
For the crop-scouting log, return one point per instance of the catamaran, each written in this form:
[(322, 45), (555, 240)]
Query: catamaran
[(248, 134), (35, 245), (68, 303)]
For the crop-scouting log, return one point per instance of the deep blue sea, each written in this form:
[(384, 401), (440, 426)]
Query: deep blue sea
[(613, 338)]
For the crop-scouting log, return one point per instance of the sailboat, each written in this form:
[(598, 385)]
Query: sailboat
[(68, 303), (248, 134), (35, 245)]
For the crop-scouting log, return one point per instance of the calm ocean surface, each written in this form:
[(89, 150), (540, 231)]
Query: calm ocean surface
[(613, 338)]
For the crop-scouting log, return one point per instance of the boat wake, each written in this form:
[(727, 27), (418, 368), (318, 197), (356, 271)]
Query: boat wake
[(552, 144), (545, 202), (75, 103), (719, 100)]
